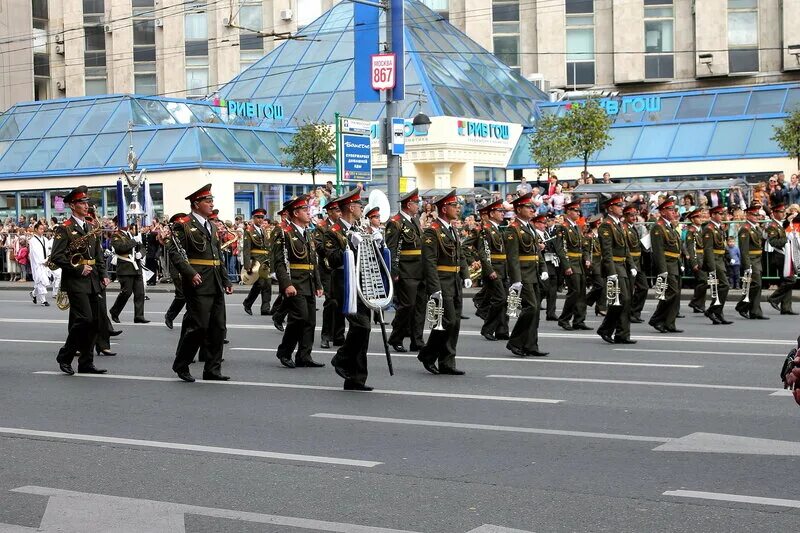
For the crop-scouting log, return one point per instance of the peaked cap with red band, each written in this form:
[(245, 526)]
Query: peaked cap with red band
[(614, 200), (716, 210), (449, 198), (332, 204), (201, 193), (753, 208), (523, 201), (295, 203), (374, 212), (630, 208), (573, 206), (694, 213), (259, 212), (180, 218), (78, 194), (497, 204), (350, 197), (539, 218), (669, 203), (412, 196), (779, 207), (214, 215)]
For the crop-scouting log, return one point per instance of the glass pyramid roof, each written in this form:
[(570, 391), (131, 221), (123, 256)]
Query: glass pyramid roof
[(312, 76)]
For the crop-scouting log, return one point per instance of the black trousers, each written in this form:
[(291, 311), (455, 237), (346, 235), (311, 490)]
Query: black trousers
[(130, 285), (639, 287), (722, 290), (550, 289), (203, 324), (102, 340), (84, 323), (575, 303), (332, 318), (302, 319), (279, 310), (262, 287), (525, 335), (667, 309), (700, 288), (495, 300), (596, 287), (178, 301), (351, 358), (441, 345), (782, 296), (409, 312), (617, 322), (152, 264), (753, 307)]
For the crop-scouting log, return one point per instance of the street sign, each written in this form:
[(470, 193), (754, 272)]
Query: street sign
[(398, 141), (354, 125), (356, 158), (383, 71)]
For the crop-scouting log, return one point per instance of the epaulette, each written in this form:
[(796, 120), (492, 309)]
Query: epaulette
[(286, 227), (748, 226), (487, 226), (323, 223), (435, 225), (396, 218), (660, 222), (336, 227), (68, 222)]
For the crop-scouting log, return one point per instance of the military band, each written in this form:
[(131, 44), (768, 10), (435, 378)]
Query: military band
[(666, 245), (639, 286), (574, 258), (693, 245), (129, 273), (333, 327), (491, 249), (781, 298), (751, 248), (550, 287), (256, 254), (178, 300)]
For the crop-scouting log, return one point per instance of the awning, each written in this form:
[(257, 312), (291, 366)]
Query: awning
[(635, 186)]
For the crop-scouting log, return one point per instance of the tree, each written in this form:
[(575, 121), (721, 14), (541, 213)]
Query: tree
[(586, 126), (312, 147), (787, 135), (548, 145)]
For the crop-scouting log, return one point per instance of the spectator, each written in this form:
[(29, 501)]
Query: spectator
[(22, 257), (552, 183), (734, 263), (687, 204), (558, 199), (428, 215), (714, 198), (760, 193), (523, 187), (775, 191), (736, 198), (793, 190), (607, 177)]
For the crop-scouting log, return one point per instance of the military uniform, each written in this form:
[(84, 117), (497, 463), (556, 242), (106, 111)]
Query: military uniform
[(255, 247), (445, 269), (595, 284), (404, 240), (525, 258), (551, 264), (714, 261), (639, 285), (781, 298), (616, 260), (751, 248), (294, 259), (204, 323), (129, 274), (74, 247), (693, 245), (492, 253), (573, 254), (666, 245), (178, 300), (333, 327)]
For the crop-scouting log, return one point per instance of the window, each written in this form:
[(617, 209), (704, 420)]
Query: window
[(742, 36), (659, 41), (94, 55), (249, 57), (251, 44), (580, 42), (579, 6), (307, 12), (197, 76), (144, 49), (440, 7), (505, 29), (145, 84), (196, 28)]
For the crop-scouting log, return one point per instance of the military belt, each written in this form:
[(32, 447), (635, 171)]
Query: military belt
[(444, 268), (698, 248), (86, 262), (636, 254), (574, 254), (719, 252), (410, 252), (499, 257), (755, 252), (529, 258), (258, 251), (674, 255), (618, 259), (205, 262), (301, 266)]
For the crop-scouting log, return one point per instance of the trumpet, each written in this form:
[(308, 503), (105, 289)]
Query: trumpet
[(612, 291), (434, 312), (513, 303), (713, 286), (661, 286), (747, 280)]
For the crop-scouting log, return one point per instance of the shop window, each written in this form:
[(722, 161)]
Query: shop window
[(743, 36), (31, 203), (729, 104), (730, 138), (692, 140), (8, 206), (271, 200), (761, 138), (762, 102), (694, 106)]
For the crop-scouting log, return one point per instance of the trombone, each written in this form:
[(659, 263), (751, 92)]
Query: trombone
[(713, 286), (747, 280)]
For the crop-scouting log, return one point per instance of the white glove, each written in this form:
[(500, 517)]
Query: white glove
[(378, 238), (634, 272), (516, 286), (138, 255), (437, 295), (683, 269), (545, 276), (733, 261), (274, 276), (468, 283), (355, 239), (612, 277)]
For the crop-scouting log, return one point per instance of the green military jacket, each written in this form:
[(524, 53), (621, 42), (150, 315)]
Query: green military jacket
[(570, 247), (73, 248), (666, 245), (443, 261), (404, 240), (523, 254), (125, 248), (294, 260), (693, 244), (713, 247), (776, 235), (750, 245), (616, 258), (491, 248), (256, 247), (634, 244), (202, 256)]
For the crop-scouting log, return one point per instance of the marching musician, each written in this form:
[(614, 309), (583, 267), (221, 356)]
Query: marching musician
[(551, 261), (350, 361), (278, 309), (404, 239), (617, 267), (524, 257), (751, 247), (693, 245), (492, 252), (666, 245), (595, 283), (781, 298), (294, 259), (446, 272), (78, 253), (205, 284), (639, 284), (255, 250), (573, 257), (332, 320), (129, 273), (714, 261), (178, 300), (105, 330)]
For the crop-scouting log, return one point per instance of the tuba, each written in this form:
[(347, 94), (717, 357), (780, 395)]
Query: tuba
[(747, 280), (434, 311), (612, 291), (713, 286), (513, 303), (661, 286)]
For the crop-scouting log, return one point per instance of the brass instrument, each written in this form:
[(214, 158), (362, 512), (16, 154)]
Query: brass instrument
[(661, 286), (713, 286), (434, 312), (612, 291), (62, 300), (747, 280), (513, 303), (475, 273)]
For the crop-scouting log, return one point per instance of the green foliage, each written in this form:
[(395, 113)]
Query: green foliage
[(312, 148), (787, 135), (549, 145), (587, 125)]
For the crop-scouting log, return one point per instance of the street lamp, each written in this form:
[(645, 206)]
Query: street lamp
[(421, 123)]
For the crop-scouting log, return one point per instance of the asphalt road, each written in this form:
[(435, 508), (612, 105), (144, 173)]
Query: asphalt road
[(682, 432)]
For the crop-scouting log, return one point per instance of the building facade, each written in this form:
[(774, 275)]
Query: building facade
[(190, 49)]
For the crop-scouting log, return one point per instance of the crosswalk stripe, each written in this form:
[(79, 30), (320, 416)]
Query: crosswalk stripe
[(632, 382)]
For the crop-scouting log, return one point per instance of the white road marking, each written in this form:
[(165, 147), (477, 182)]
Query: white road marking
[(512, 359), (35, 341), (782, 392), (456, 396), (697, 352), (487, 427), (630, 382), (187, 447), (738, 498), (716, 443)]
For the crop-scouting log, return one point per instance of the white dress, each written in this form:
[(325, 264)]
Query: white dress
[(41, 274), (55, 273)]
